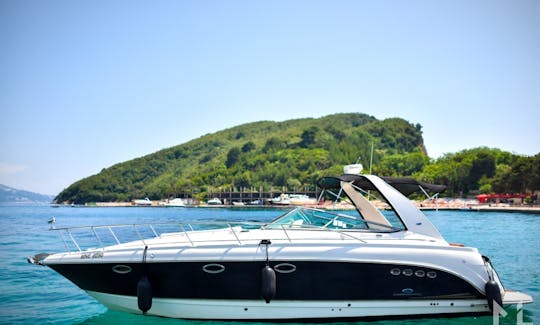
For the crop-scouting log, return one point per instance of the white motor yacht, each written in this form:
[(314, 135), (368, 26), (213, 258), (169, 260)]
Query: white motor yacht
[(214, 201), (306, 264), (142, 202), (176, 202)]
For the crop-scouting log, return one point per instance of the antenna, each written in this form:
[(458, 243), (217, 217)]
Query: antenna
[(371, 158)]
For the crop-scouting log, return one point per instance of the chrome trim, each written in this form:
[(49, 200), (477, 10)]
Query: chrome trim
[(213, 268), (285, 268), (121, 269)]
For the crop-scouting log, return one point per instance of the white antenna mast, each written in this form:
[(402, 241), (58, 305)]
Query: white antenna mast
[(371, 158)]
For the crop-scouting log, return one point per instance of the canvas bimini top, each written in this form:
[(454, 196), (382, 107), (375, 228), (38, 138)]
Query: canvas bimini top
[(405, 185), (391, 190)]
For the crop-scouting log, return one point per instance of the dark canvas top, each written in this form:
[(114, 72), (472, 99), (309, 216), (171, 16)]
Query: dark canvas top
[(405, 185)]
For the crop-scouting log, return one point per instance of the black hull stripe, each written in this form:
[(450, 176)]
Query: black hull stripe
[(242, 280)]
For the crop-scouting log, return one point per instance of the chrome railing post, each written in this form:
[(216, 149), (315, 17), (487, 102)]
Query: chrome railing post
[(97, 237), (73, 240), (112, 233), (286, 234), (234, 233), (187, 235), (139, 234), (153, 230), (65, 242)]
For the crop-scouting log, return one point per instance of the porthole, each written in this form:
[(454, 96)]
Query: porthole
[(407, 272), (121, 269), (395, 271), (213, 268), (285, 268), (420, 273), (432, 274)]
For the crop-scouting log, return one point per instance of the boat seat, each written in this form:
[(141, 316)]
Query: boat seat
[(297, 223)]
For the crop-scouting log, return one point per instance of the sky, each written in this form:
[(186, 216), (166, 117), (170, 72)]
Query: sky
[(88, 84)]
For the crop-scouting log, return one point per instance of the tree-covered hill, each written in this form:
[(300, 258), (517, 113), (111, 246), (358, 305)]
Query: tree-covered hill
[(484, 170), (293, 153)]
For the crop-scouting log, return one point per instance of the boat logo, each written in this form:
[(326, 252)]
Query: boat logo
[(91, 255), (407, 291)]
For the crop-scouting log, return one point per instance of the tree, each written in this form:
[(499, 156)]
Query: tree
[(248, 146), (309, 137), (517, 179), (483, 165), (232, 157), (402, 165), (273, 143)]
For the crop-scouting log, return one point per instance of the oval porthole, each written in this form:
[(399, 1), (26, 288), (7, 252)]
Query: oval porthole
[(432, 274), (395, 271), (407, 272), (285, 268), (420, 273), (213, 268), (121, 269)]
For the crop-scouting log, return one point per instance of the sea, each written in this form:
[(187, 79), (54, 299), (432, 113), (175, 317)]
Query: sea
[(31, 294)]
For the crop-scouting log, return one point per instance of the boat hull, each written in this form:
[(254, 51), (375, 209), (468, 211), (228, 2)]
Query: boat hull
[(304, 290), (295, 280), (219, 309)]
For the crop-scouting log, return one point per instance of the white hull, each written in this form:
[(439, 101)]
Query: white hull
[(258, 309)]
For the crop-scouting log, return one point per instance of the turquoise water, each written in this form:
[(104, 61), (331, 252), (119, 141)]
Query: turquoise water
[(32, 294)]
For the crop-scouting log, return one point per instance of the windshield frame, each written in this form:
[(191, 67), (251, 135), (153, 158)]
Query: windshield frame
[(311, 218)]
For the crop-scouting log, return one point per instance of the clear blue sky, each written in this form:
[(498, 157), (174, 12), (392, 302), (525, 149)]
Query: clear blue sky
[(87, 84)]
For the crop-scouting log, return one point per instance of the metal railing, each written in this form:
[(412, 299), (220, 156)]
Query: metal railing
[(95, 237)]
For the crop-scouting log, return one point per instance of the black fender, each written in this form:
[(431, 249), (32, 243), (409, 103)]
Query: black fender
[(268, 283), (493, 294), (144, 294)]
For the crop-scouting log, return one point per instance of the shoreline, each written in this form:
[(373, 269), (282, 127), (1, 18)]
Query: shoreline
[(423, 207), (514, 209)]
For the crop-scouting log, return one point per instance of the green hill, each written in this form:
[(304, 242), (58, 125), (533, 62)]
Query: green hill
[(293, 153)]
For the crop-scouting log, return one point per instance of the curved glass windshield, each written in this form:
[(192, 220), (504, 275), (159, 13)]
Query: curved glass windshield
[(314, 218)]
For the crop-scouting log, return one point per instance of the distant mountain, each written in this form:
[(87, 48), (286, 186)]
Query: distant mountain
[(12, 195), (289, 154)]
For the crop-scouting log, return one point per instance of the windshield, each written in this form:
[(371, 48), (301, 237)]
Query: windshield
[(314, 218)]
